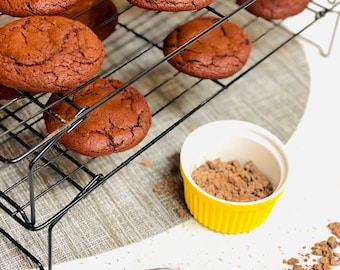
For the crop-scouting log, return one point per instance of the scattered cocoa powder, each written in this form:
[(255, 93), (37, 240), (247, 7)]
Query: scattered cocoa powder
[(169, 188), (232, 181), (324, 251), (174, 190)]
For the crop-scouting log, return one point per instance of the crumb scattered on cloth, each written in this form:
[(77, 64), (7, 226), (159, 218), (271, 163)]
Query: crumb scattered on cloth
[(174, 190)]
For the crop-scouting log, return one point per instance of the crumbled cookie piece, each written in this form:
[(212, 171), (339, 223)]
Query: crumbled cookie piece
[(324, 251), (181, 212), (146, 162), (291, 261), (298, 267), (335, 228), (232, 181)]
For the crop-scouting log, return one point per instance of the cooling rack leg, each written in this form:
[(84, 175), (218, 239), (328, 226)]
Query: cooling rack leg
[(321, 14), (31, 173), (22, 249), (333, 34), (50, 247), (50, 240)]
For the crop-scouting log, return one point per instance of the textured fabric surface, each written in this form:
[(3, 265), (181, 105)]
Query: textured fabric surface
[(145, 197)]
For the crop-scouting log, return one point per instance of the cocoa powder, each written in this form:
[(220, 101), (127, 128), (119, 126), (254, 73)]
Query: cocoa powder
[(324, 253), (232, 181)]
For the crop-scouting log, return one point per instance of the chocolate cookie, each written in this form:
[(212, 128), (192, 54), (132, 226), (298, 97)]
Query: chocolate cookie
[(171, 5), (275, 9), (218, 54), (48, 54), (117, 125), (23, 8), (101, 16), (8, 93)]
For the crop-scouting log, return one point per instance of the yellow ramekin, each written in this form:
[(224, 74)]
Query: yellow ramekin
[(232, 140)]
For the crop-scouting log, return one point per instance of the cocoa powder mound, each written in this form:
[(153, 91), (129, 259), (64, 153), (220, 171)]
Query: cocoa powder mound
[(232, 181)]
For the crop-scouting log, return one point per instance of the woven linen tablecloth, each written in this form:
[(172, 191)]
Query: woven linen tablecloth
[(146, 197)]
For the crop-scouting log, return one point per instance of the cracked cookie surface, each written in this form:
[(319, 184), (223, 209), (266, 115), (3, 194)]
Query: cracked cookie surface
[(23, 8), (115, 126), (275, 9), (171, 5), (218, 54), (48, 54)]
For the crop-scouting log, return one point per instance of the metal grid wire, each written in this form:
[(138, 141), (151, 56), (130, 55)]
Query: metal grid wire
[(29, 157)]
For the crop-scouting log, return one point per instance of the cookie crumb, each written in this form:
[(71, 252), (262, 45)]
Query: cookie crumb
[(292, 261), (335, 228), (323, 252), (157, 189), (191, 128), (298, 267), (146, 162), (181, 212)]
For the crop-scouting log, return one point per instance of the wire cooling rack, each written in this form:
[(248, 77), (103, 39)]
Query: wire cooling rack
[(29, 156)]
